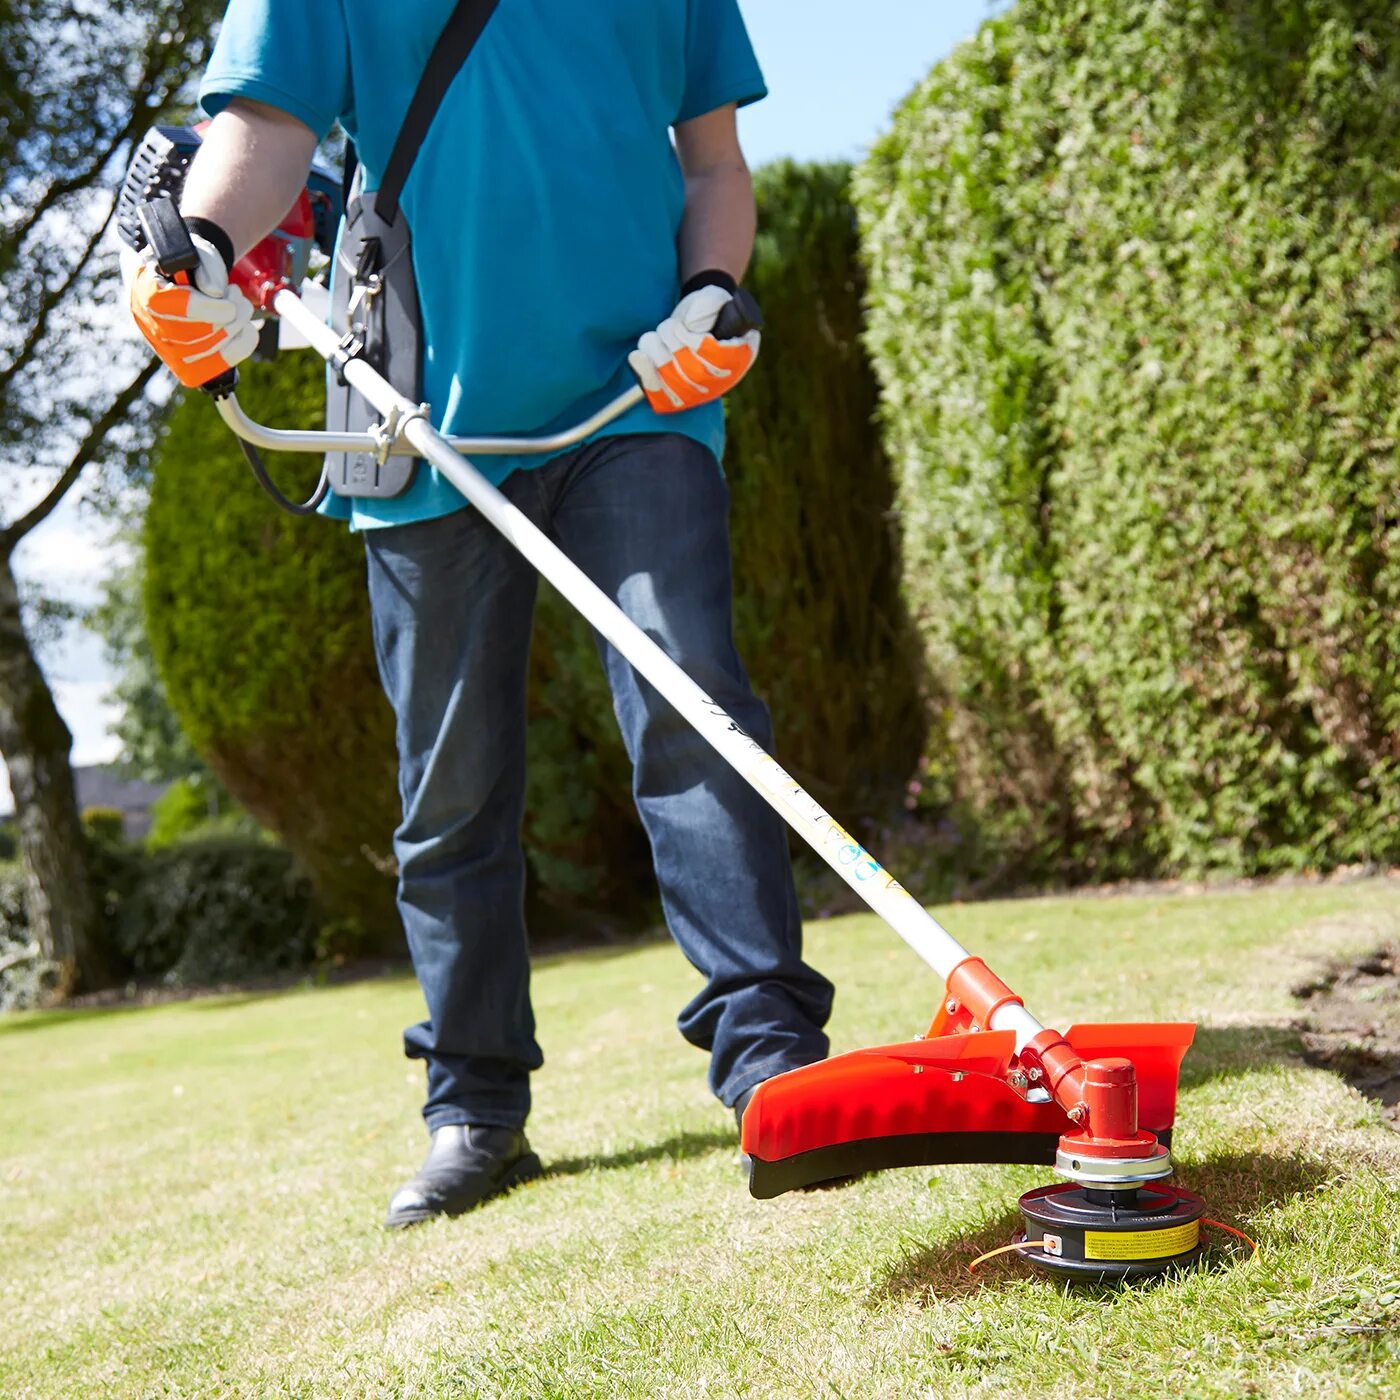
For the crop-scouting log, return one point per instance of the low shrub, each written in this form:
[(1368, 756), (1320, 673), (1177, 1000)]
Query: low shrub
[(197, 806), (105, 824), (210, 909), (218, 909)]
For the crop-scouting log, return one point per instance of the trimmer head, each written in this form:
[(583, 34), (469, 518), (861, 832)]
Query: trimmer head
[(1097, 1103), (1090, 1235)]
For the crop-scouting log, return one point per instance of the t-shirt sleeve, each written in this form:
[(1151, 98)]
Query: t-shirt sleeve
[(720, 66), (290, 54)]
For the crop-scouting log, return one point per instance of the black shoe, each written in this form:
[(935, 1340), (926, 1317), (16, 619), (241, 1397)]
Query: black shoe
[(464, 1167)]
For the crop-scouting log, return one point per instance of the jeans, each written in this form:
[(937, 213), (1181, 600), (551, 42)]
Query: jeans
[(645, 517)]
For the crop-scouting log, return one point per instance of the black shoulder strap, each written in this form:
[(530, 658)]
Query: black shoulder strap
[(451, 51)]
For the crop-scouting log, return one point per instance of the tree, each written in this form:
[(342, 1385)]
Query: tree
[(155, 748), (80, 83)]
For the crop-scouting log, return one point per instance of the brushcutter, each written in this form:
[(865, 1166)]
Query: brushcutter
[(987, 1082)]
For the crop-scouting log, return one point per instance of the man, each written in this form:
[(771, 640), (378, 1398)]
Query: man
[(554, 225)]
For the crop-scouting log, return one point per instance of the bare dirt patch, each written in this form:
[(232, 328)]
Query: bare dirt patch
[(1353, 1024)]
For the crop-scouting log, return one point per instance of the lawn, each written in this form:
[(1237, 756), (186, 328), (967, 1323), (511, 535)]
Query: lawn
[(190, 1195)]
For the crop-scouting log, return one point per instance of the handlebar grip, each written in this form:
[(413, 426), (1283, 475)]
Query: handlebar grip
[(174, 251), (738, 317), (167, 237)]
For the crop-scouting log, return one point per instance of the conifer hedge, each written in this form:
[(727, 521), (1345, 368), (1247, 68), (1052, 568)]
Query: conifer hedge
[(1134, 302), (260, 629), (260, 622)]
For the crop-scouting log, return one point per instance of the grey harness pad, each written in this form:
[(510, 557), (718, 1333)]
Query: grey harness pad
[(375, 299)]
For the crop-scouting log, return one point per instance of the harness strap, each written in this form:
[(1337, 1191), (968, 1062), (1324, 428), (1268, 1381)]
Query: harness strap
[(450, 53)]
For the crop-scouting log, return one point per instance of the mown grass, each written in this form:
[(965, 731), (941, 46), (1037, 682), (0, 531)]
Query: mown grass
[(190, 1196)]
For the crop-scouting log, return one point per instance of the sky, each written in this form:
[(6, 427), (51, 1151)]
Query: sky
[(835, 72)]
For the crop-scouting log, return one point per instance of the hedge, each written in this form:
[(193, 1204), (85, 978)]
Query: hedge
[(217, 909), (261, 634), (261, 629), (1133, 301), (210, 910)]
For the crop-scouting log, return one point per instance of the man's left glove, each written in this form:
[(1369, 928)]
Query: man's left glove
[(202, 330), (680, 364)]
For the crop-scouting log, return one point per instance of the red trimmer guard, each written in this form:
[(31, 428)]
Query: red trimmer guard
[(930, 1102)]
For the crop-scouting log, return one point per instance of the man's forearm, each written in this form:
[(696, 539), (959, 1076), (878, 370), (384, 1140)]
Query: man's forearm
[(248, 171), (720, 221)]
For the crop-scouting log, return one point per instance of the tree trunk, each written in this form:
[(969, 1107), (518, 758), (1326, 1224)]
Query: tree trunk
[(35, 743)]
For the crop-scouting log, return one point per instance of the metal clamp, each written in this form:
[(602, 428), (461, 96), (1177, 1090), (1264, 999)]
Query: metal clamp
[(367, 287), (351, 347), (386, 435)]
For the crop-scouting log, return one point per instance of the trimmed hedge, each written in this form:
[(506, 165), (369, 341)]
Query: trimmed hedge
[(260, 630), (260, 624), (1133, 300), (819, 619)]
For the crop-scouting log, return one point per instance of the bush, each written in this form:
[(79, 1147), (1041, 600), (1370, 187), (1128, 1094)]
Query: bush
[(208, 910), (1133, 289), (180, 811), (105, 824), (14, 919), (218, 909), (273, 672), (196, 806)]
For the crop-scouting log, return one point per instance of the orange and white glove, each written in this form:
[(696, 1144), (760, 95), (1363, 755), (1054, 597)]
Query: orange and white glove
[(681, 364), (202, 330)]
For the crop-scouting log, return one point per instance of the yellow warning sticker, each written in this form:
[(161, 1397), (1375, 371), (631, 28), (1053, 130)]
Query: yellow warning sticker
[(1142, 1244)]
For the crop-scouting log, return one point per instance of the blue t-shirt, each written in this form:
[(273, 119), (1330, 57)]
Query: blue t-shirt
[(544, 202)]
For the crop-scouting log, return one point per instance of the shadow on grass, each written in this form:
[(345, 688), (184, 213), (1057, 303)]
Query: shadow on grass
[(1233, 1186), (156, 997), (1222, 1052), (16, 1022), (680, 1148), (1366, 1059)]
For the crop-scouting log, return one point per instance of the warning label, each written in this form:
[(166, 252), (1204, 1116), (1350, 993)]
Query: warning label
[(1142, 1244)]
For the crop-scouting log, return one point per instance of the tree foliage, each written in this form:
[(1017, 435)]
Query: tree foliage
[(82, 83), (1134, 291), (155, 748), (79, 85)]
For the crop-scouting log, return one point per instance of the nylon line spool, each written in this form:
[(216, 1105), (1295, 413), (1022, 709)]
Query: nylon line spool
[(1098, 1235)]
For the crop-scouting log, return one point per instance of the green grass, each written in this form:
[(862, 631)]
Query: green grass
[(190, 1195)]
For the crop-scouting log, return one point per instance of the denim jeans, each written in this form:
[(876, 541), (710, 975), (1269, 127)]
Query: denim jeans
[(645, 517)]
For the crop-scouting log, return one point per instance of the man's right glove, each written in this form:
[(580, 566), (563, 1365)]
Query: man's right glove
[(200, 331)]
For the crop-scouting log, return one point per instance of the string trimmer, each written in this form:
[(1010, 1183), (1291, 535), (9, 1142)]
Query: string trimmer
[(987, 1082)]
